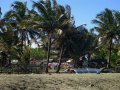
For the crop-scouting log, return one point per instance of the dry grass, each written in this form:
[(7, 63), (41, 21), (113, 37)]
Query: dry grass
[(60, 82)]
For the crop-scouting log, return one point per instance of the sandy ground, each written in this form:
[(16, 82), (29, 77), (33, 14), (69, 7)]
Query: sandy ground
[(60, 82)]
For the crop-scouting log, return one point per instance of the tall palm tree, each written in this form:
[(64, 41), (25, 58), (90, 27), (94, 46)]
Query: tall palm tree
[(107, 26), (49, 19), (63, 40), (19, 17)]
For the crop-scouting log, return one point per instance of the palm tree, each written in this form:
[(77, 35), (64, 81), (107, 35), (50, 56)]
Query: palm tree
[(74, 43), (7, 39), (19, 18), (49, 19), (66, 42), (107, 28), (62, 39)]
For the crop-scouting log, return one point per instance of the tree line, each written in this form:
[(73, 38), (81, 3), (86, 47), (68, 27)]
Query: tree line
[(52, 25)]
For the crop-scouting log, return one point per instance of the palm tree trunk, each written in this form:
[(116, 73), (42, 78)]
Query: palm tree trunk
[(89, 57), (22, 42), (8, 58), (48, 52), (110, 53), (54, 4), (61, 53), (76, 61)]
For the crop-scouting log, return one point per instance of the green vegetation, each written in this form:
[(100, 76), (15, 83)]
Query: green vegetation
[(53, 28), (38, 53)]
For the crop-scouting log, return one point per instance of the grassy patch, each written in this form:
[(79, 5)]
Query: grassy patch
[(60, 82)]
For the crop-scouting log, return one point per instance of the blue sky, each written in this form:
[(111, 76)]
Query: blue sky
[(83, 10)]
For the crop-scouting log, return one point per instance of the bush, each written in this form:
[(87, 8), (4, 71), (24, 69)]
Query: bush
[(38, 53)]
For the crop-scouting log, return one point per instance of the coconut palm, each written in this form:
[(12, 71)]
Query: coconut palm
[(49, 19), (62, 39), (66, 44), (74, 43), (19, 17), (107, 28)]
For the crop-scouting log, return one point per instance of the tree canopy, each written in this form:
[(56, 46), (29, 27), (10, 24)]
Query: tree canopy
[(52, 27)]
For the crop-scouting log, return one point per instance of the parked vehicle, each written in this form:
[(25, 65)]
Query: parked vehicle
[(93, 70), (88, 70)]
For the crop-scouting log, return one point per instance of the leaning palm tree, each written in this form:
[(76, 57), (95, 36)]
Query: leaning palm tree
[(66, 42), (107, 28), (49, 19), (62, 37)]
